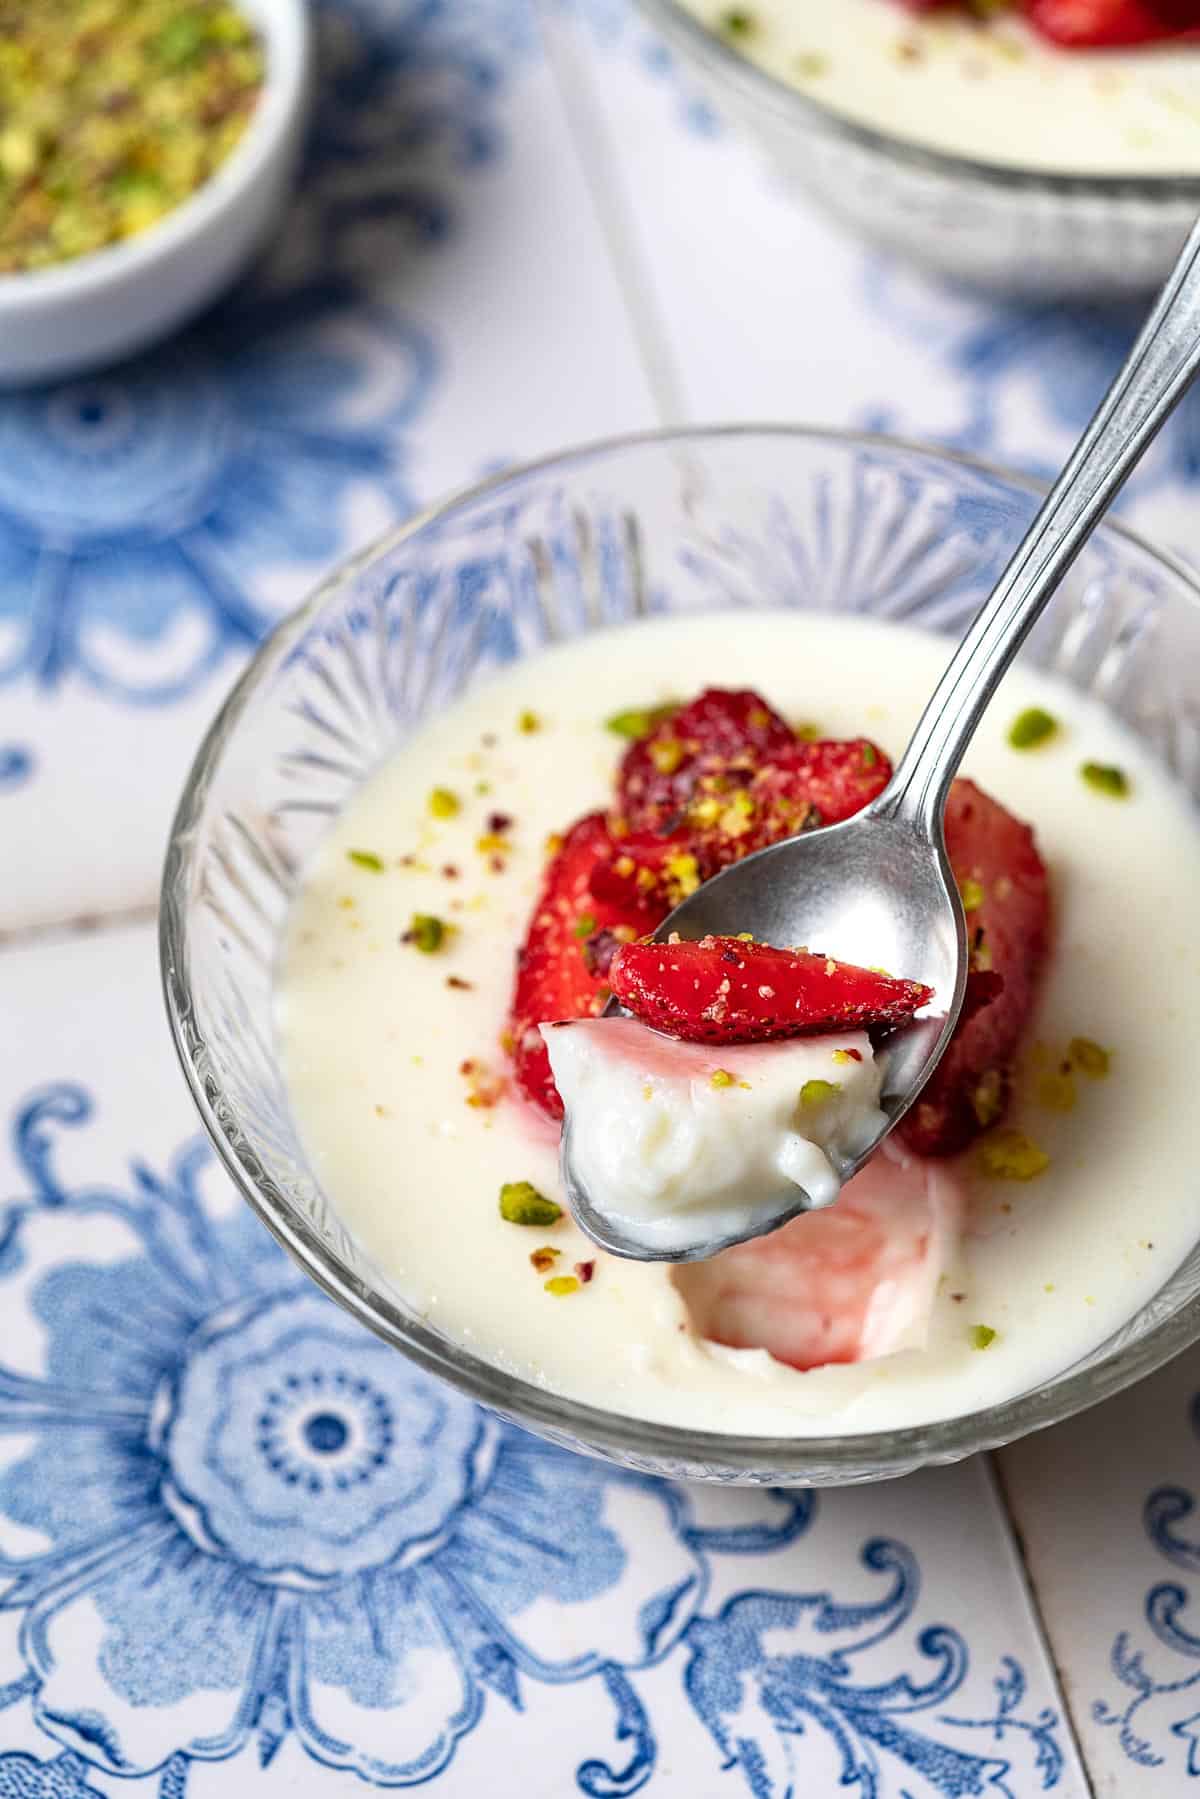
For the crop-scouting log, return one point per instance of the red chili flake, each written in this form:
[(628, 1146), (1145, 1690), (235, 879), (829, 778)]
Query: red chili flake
[(497, 864), (456, 981), (450, 871), (958, 1298), (467, 1067), (499, 822), (585, 1271), (855, 1055)]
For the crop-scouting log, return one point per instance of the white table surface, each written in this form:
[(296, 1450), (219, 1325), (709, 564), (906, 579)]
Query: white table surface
[(549, 240)]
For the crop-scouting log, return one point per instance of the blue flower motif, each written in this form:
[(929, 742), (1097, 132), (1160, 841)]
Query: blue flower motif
[(24, 1777), (16, 765), (286, 1529), (1006, 355), (1163, 1702), (773, 1678)]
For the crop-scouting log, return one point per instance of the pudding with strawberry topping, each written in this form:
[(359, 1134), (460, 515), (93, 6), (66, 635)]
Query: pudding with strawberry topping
[(1088, 87), (1039, 1193)]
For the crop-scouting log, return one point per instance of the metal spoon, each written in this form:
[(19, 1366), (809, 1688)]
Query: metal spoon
[(878, 888)]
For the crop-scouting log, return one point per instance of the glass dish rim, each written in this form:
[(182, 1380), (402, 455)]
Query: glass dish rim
[(760, 85), (889, 1452)]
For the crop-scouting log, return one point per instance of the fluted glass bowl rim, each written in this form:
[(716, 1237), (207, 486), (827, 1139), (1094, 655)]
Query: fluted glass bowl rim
[(805, 110), (594, 1429)]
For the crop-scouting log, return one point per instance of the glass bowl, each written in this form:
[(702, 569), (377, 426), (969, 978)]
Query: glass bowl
[(1020, 232), (684, 523)]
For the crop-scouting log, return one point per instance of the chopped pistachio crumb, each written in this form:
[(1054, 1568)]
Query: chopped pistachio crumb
[(561, 1285), (528, 723), (870, 755), (639, 721), (811, 65), (585, 926), (521, 1203), (982, 1336), (1089, 1058), (1056, 1091), (1033, 726), (666, 755), (972, 895), (815, 1093), (1104, 777), (426, 933), (443, 803), (1011, 1156), (987, 1101), (543, 1259), (735, 21), (366, 859), (808, 733), (721, 1077), (745, 936)]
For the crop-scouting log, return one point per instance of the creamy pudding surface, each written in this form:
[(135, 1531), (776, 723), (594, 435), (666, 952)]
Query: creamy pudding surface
[(991, 91), (398, 1080)]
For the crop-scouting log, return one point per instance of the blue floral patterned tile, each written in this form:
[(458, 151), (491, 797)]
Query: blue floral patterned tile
[(1107, 1506), (246, 1548), (422, 316)]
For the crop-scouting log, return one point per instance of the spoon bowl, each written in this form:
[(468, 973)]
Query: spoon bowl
[(865, 891)]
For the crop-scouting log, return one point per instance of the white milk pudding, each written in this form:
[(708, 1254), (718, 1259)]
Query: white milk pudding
[(677, 1140), (931, 1287), (990, 90)]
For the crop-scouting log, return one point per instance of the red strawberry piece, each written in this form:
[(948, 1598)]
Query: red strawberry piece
[(1003, 880), (801, 786), (832, 778), (722, 732), (1111, 24), (561, 966), (725, 990)]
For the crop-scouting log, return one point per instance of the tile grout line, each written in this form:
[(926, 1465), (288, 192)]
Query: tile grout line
[(82, 924), (595, 151), (1024, 1574)]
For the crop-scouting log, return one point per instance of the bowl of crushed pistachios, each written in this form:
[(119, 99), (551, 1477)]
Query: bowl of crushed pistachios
[(146, 152)]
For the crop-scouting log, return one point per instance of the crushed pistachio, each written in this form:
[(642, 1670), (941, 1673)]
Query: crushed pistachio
[(426, 933), (562, 1284), (1089, 1058), (815, 1093), (521, 1203), (528, 723), (683, 876), (113, 112), (492, 843), (1033, 726), (1105, 777), (1011, 1156), (807, 733), (543, 1259), (847, 1055), (639, 721), (870, 755), (1056, 1091), (553, 845), (721, 1077), (666, 755), (366, 859), (811, 65), (987, 1101), (585, 925), (982, 1336), (972, 894), (736, 22), (444, 802)]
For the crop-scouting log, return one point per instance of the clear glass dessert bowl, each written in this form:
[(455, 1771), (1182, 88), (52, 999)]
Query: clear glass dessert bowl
[(1018, 231), (678, 523)]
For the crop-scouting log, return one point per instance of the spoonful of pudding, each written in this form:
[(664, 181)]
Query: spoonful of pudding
[(774, 966)]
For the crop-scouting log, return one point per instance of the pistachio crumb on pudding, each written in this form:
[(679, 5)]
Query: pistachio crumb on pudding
[(1091, 87), (1047, 1226)]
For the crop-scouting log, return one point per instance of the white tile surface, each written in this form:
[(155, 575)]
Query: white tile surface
[(877, 1637)]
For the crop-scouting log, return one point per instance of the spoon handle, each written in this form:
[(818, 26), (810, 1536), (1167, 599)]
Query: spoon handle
[(1155, 376)]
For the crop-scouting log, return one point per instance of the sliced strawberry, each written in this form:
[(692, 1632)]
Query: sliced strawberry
[(1004, 883), (1110, 24), (725, 990), (847, 1284), (561, 966), (731, 814), (723, 732)]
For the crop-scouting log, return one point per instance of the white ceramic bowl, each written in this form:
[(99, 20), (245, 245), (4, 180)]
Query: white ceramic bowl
[(97, 308)]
